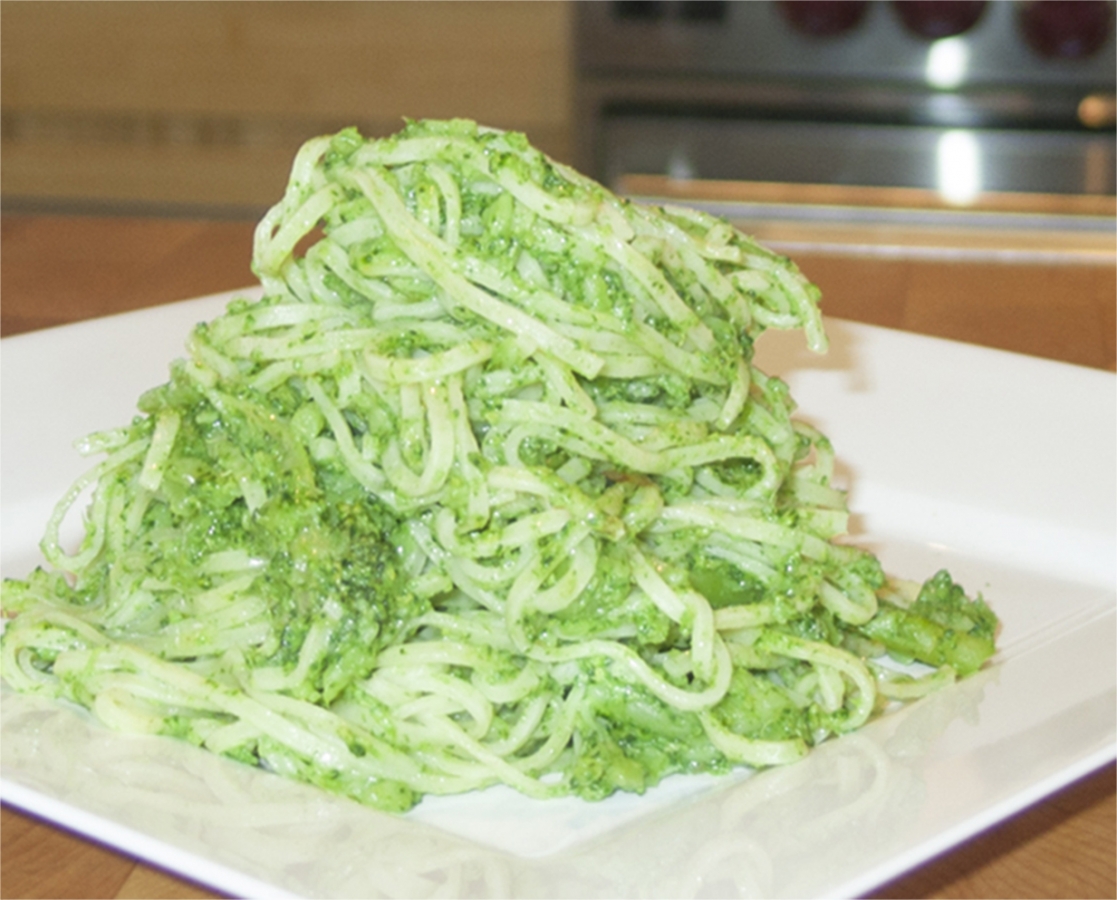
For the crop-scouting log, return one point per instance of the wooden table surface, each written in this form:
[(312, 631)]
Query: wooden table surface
[(60, 269)]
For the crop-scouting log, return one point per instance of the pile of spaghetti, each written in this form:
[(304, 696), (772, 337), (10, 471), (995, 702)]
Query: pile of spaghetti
[(484, 488)]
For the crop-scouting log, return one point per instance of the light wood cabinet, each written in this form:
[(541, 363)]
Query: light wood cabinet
[(205, 103)]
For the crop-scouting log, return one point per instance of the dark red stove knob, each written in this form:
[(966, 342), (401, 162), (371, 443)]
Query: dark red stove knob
[(1066, 29), (934, 19), (823, 18)]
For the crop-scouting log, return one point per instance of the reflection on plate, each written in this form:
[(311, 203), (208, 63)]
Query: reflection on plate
[(998, 466)]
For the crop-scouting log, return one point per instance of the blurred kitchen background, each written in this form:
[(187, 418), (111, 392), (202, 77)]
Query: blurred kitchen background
[(178, 104), (910, 132)]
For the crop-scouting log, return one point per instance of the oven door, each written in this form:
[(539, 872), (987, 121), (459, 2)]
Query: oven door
[(739, 93), (958, 163)]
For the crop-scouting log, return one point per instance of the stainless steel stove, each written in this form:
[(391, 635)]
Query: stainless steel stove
[(960, 96)]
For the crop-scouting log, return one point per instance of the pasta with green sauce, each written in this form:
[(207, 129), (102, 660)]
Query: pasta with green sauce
[(485, 488)]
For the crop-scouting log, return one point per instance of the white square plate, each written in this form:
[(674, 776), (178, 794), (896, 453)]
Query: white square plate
[(1000, 467)]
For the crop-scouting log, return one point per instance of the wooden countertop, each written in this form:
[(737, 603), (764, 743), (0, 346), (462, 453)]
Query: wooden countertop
[(60, 269)]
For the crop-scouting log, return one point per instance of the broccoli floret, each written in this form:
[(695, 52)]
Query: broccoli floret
[(629, 740), (324, 549), (943, 601), (756, 707), (602, 767), (723, 583), (943, 627)]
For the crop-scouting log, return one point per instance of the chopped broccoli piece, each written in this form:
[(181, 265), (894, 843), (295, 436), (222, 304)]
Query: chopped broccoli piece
[(943, 627)]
